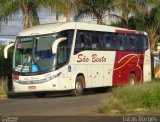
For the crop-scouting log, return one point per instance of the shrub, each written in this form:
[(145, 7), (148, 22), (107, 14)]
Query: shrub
[(5, 69), (129, 99)]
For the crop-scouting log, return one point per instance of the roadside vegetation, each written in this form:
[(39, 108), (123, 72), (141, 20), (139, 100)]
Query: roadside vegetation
[(5, 71), (3, 88), (132, 99)]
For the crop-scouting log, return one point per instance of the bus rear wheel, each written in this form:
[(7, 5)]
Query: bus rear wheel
[(132, 79), (78, 91)]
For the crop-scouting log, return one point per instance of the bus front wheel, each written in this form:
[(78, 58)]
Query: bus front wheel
[(78, 91)]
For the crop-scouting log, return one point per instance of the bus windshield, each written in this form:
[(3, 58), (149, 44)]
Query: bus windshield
[(34, 54)]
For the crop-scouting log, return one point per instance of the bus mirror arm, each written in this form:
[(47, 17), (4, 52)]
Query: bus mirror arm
[(55, 44), (6, 50)]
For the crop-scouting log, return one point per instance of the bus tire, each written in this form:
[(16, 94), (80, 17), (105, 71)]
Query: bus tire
[(78, 90), (132, 79)]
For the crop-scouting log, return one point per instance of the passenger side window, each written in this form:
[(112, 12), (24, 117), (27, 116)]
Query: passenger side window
[(87, 40), (113, 41), (110, 41), (132, 44), (107, 42), (145, 42), (64, 48), (137, 42), (93, 40), (62, 57), (80, 42), (96, 45), (120, 40), (142, 43)]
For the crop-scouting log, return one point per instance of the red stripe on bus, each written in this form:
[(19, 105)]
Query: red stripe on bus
[(125, 63), (126, 31)]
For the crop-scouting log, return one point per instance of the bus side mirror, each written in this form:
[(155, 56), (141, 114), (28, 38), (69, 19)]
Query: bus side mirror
[(55, 44), (6, 50)]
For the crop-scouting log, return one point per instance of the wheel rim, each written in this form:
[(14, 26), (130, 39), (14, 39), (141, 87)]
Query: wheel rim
[(79, 88), (132, 81)]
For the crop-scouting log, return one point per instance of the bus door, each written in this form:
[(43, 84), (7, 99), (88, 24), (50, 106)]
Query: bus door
[(63, 57)]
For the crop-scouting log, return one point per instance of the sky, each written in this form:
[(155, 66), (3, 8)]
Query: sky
[(15, 25)]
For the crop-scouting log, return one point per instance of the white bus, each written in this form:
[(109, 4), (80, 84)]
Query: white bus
[(75, 56)]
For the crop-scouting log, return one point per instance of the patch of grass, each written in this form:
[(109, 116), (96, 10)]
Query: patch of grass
[(132, 99), (3, 89), (2, 92)]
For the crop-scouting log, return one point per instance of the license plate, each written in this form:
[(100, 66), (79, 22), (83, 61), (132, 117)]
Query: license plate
[(31, 87)]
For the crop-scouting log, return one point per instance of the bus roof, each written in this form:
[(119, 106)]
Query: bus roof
[(56, 27)]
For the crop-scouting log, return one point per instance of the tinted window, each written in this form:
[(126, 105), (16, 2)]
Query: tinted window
[(107, 41), (64, 48), (121, 42), (80, 42), (88, 40), (142, 43), (92, 40), (96, 41), (138, 42)]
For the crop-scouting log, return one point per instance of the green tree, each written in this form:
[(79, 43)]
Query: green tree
[(94, 8), (152, 21), (29, 8), (66, 7), (150, 24), (129, 7), (152, 1)]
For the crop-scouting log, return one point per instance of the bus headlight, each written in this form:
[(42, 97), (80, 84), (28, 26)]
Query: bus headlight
[(55, 76), (38, 81)]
